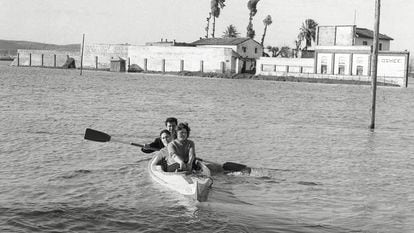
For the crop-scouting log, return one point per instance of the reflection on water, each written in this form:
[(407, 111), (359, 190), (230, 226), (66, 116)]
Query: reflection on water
[(316, 167)]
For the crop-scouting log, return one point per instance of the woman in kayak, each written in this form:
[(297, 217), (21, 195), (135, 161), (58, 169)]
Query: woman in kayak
[(182, 150)]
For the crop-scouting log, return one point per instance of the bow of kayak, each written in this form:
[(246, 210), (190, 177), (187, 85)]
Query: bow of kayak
[(195, 185)]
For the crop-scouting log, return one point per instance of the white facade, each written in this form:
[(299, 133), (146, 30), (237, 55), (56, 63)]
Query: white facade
[(246, 52), (384, 45)]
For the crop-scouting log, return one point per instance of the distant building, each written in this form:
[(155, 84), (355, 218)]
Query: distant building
[(247, 50), (343, 52), (346, 50)]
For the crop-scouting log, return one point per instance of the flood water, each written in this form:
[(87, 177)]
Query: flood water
[(316, 165)]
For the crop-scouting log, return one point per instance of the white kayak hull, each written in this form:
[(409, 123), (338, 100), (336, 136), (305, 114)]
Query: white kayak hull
[(196, 185)]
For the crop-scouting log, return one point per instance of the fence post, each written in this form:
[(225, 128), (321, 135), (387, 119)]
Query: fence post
[(18, 59), (30, 59), (96, 62), (202, 66), (287, 69), (163, 65), (129, 64), (54, 60), (42, 59), (145, 64), (274, 68), (261, 67), (182, 65)]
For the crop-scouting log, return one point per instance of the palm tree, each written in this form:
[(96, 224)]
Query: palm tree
[(208, 24), (267, 21), (308, 32), (273, 50), (216, 5), (252, 6), (231, 32)]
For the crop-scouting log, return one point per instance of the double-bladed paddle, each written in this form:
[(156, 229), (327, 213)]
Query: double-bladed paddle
[(98, 136)]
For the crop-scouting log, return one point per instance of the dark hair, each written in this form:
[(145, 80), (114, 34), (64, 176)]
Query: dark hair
[(171, 120), (165, 131), (184, 126)]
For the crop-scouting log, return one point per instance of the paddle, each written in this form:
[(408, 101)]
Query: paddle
[(98, 136)]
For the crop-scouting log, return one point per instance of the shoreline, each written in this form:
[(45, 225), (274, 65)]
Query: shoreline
[(234, 76), (268, 78)]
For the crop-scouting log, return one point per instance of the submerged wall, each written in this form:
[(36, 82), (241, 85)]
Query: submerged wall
[(160, 58), (46, 58)]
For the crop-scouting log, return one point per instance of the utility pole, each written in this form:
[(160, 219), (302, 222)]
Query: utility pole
[(374, 61), (83, 43)]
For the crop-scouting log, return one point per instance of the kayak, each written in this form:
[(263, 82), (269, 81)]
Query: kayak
[(195, 185)]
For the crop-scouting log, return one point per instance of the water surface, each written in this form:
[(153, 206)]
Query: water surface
[(317, 166)]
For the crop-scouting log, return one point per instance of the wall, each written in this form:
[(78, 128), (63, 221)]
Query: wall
[(356, 61), (191, 56), (98, 56), (48, 57), (342, 35), (385, 43), (392, 66), (284, 66)]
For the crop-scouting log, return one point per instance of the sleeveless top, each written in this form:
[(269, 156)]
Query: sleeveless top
[(182, 150)]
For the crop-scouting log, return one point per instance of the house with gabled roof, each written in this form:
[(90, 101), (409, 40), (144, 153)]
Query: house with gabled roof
[(365, 37), (246, 50)]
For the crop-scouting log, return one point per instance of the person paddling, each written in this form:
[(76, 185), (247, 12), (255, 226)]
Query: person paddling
[(171, 126)]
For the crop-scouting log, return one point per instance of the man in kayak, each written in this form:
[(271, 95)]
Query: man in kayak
[(171, 126)]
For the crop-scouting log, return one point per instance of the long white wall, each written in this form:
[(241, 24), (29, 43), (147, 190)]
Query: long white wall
[(158, 58), (27, 57)]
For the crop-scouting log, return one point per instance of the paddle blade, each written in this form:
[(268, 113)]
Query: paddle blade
[(97, 136), (234, 167)]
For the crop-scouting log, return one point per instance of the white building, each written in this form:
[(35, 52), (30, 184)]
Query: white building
[(246, 50), (343, 52)]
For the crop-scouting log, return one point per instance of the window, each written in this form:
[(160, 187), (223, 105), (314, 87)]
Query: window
[(244, 49), (380, 46), (255, 50), (364, 42)]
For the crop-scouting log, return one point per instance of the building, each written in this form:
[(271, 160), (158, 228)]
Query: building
[(246, 50), (344, 52)]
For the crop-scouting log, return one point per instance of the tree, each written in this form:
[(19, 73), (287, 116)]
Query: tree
[(284, 51), (298, 43), (231, 32), (308, 32), (273, 50), (208, 24), (216, 5), (252, 6), (267, 21)]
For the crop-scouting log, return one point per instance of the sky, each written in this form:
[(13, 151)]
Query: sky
[(139, 21)]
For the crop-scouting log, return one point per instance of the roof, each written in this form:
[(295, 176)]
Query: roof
[(366, 33), (221, 41)]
